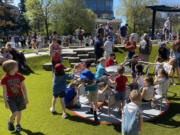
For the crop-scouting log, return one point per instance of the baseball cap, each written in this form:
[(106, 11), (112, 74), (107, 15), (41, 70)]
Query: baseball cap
[(87, 74)]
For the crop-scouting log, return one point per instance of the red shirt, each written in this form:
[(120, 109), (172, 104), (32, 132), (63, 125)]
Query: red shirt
[(109, 62), (56, 56), (128, 44), (13, 84), (121, 81)]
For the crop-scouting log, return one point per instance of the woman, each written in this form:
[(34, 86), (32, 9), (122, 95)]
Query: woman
[(80, 33), (131, 47), (17, 56)]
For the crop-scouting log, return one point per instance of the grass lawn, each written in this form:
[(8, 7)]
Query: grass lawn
[(37, 120), (32, 50)]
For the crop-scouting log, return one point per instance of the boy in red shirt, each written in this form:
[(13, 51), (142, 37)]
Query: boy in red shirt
[(110, 60), (120, 90), (14, 93)]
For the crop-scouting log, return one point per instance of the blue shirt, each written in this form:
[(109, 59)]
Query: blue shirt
[(100, 71), (90, 88), (123, 30), (69, 95), (59, 83), (98, 47)]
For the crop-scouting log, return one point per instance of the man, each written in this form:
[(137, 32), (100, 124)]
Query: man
[(100, 30), (98, 47), (145, 48), (167, 27), (123, 32)]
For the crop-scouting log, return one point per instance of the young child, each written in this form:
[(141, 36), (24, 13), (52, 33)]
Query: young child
[(71, 95), (132, 63), (139, 76), (86, 66), (158, 65), (59, 87), (76, 71), (101, 73), (132, 115), (120, 90), (162, 81), (148, 90), (5, 53), (110, 60), (101, 95), (14, 93), (90, 87)]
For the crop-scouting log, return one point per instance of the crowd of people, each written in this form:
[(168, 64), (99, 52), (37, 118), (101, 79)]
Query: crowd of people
[(97, 86)]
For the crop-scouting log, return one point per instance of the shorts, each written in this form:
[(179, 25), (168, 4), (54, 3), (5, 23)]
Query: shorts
[(130, 54), (60, 95), (145, 57), (80, 37), (16, 103), (92, 96), (120, 95)]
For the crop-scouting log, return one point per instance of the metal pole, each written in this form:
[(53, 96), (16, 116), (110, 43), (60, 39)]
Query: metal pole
[(153, 22)]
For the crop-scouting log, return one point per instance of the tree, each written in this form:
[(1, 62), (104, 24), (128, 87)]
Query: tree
[(68, 15), (38, 12), (137, 15), (23, 24)]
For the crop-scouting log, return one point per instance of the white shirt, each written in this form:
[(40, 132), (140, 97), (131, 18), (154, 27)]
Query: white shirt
[(140, 81), (108, 46), (167, 67)]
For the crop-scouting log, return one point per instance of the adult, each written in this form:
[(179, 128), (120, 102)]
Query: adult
[(163, 52), (80, 33), (99, 47), (100, 30), (108, 29), (55, 52), (23, 41), (167, 27), (123, 33), (39, 41), (108, 46), (145, 48), (131, 47), (17, 56)]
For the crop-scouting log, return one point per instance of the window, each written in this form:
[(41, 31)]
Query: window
[(92, 4), (100, 5), (86, 2), (109, 4)]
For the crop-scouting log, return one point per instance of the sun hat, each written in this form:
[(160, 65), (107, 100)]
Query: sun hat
[(59, 67), (87, 74)]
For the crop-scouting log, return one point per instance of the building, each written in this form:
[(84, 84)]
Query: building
[(103, 8)]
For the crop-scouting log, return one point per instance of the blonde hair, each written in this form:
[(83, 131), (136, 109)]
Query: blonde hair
[(101, 59), (76, 66), (135, 95), (7, 44), (9, 65)]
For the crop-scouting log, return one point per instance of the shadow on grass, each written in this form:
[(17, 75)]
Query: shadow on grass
[(82, 120), (28, 132), (27, 71)]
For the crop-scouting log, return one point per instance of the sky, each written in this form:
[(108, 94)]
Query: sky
[(117, 2)]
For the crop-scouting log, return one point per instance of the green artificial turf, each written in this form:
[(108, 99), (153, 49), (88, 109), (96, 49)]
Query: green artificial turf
[(37, 120)]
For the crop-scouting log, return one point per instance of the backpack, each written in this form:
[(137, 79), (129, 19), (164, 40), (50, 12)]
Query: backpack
[(129, 122), (144, 47)]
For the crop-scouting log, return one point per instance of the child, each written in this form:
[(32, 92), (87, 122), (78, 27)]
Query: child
[(5, 53), (76, 71), (162, 81), (131, 47), (148, 90), (71, 94), (59, 87), (158, 65), (120, 90), (14, 93), (132, 115), (101, 73), (90, 87), (86, 66), (110, 60), (132, 63), (108, 45), (139, 75), (101, 95)]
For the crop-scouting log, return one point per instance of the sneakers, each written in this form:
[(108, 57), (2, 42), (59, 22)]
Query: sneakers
[(90, 111), (10, 126), (64, 115), (52, 110), (18, 128), (95, 117)]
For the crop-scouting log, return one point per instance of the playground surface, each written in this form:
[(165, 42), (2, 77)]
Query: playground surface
[(37, 119)]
